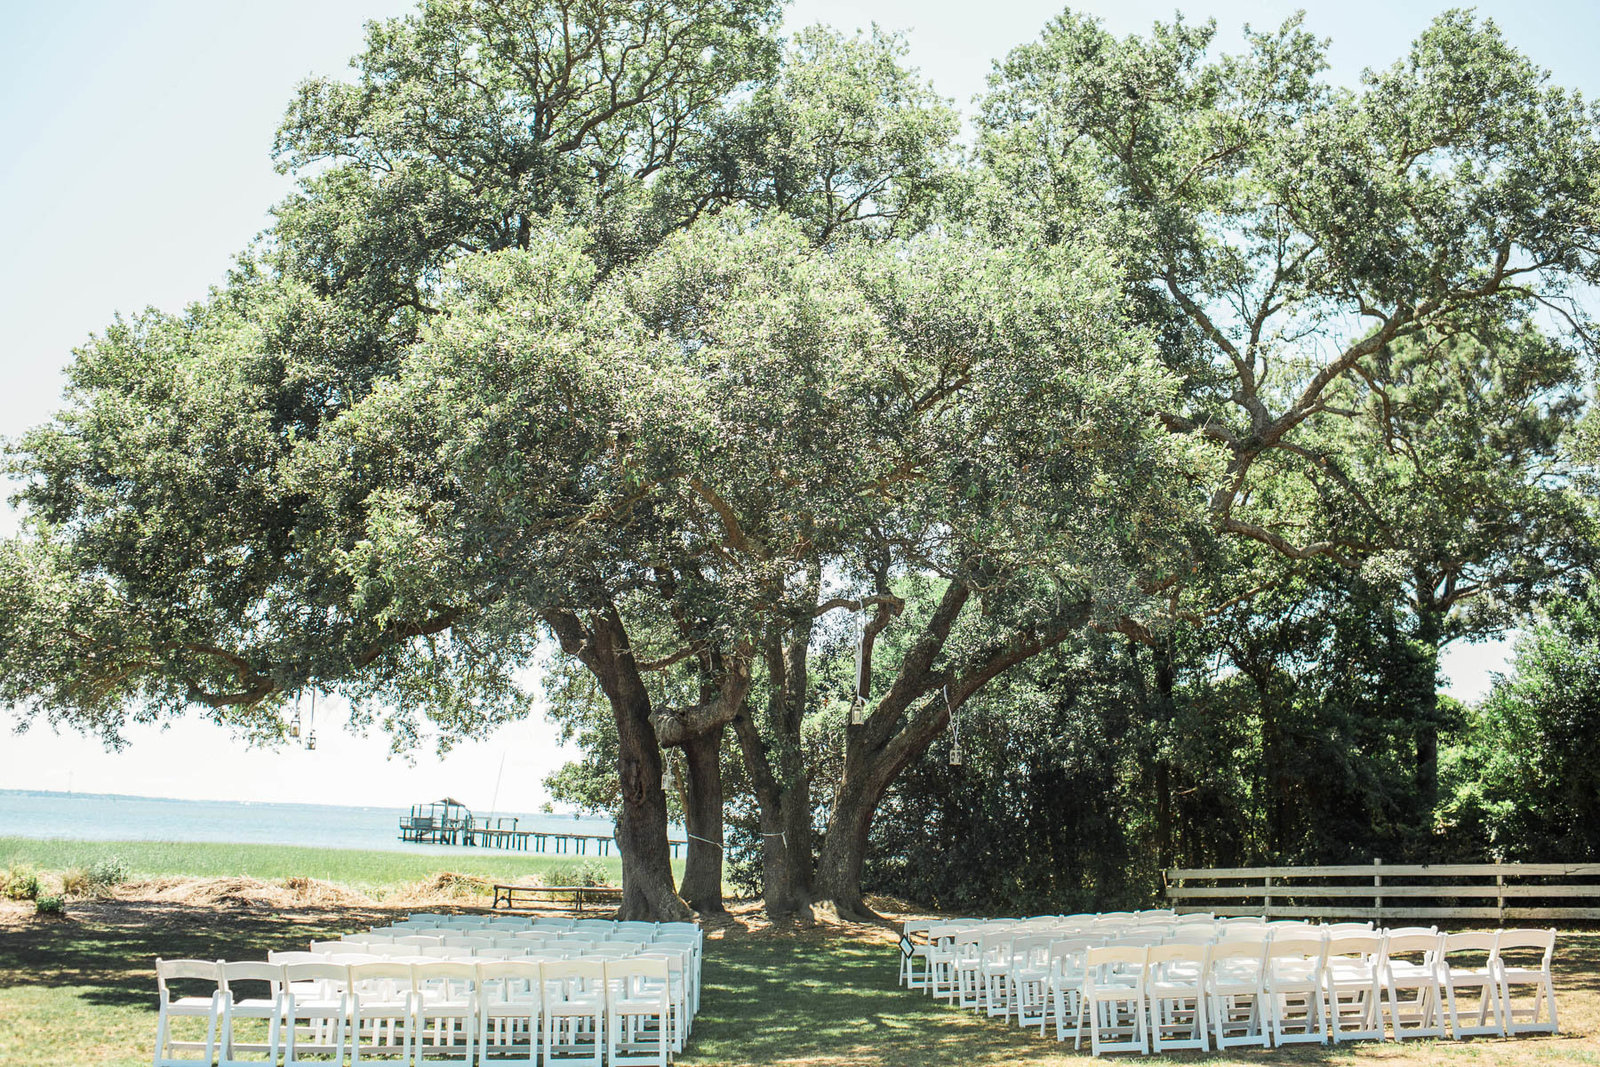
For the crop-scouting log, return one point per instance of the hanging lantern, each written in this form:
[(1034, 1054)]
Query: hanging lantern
[(294, 724), (669, 781), (955, 730), (311, 724), (858, 712)]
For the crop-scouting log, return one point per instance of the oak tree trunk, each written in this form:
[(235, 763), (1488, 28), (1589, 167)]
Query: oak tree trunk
[(702, 868), (785, 820), (603, 647)]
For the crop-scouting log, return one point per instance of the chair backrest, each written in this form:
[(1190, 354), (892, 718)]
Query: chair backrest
[(1521, 943), (510, 980), (631, 970), (562, 977), (341, 948), (1421, 945), (1191, 935), (296, 956), (370, 937), (382, 978), (187, 971), (1031, 948), (995, 944), (1340, 929), (1292, 949), (1116, 962), (455, 976), (244, 972), (469, 942), (1409, 931), (1231, 956), (543, 923), (419, 940), (1176, 952), (518, 953), (320, 970), (1474, 944), (1364, 948)]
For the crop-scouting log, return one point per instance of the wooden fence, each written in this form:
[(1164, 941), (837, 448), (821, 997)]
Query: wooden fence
[(1503, 892)]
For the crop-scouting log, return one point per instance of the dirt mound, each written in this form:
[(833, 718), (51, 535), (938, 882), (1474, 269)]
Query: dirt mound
[(246, 892), (445, 886)]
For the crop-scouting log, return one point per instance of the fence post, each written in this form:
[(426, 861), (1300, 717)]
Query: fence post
[(1377, 883), (1500, 898), (1266, 899)]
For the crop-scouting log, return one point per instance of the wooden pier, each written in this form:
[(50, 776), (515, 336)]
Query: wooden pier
[(448, 822)]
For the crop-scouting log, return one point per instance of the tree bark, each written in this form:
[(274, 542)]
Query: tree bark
[(1430, 626), (702, 869), (785, 853), (602, 646), (896, 733)]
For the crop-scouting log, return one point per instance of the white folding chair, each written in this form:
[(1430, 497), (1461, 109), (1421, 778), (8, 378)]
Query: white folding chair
[(1412, 963), (267, 1011), (382, 1000), (445, 1012), (1236, 993), (914, 946), (1064, 986), (1294, 989), (677, 959), (1112, 1002), (1174, 990), (574, 1012), (638, 1012), (1461, 970), (1352, 981), (984, 949), (941, 957), (1028, 978), (1537, 1016), (510, 995), (196, 1006), (315, 1009)]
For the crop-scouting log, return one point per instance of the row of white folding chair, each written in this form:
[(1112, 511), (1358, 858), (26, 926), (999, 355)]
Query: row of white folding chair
[(512, 948), (471, 1010), (1287, 991)]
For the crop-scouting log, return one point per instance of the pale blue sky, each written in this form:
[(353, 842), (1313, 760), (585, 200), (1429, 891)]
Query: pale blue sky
[(135, 165)]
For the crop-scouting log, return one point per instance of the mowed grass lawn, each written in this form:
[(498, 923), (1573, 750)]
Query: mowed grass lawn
[(81, 991), (373, 870)]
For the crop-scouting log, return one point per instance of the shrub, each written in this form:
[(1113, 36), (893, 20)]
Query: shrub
[(109, 872), (49, 904), (75, 882), (584, 874), (21, 882)]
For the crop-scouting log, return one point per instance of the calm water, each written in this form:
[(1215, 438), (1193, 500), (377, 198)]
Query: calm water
[(105, 817)]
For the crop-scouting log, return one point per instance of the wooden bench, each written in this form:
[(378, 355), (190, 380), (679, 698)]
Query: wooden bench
[(574, 896)]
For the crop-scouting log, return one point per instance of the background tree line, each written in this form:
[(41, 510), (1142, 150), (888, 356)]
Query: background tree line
[(1198, 399)]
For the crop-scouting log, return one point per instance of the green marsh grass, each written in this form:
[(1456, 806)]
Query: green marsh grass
[(367, 870)]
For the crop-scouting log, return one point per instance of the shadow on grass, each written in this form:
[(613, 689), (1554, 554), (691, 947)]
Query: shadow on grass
[(108, 950)]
